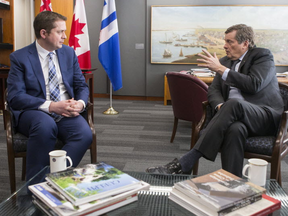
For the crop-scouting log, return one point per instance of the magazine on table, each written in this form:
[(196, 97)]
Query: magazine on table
[(221, 191), (263, 207), (90, 182), (47, 197)]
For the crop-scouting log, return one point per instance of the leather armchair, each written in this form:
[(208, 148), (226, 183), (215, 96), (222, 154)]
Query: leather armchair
[(187, 94)]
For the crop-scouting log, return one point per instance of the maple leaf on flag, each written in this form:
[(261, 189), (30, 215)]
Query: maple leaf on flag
[(79, 37), (76, 28), (45, 5)]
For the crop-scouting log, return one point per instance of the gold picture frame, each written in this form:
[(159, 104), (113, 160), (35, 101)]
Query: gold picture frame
[(178, 33)]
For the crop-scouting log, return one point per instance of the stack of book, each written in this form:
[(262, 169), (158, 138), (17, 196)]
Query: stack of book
[(202, 72), (222, 193), (93, 188)]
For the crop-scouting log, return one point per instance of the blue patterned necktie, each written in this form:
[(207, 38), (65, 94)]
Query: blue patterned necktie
[(53, 85)]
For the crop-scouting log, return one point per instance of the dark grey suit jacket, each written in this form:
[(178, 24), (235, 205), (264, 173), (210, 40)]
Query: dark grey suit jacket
[(256, 78)]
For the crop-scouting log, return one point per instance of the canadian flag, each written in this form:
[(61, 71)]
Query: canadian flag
[(45, 5), (79, 37)]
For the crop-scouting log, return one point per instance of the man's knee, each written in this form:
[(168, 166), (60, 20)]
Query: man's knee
[(233, 103), (46, 129), (237, 129), (37, 123), (87, 135)]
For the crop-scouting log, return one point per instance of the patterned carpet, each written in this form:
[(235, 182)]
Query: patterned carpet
[(136, 138)]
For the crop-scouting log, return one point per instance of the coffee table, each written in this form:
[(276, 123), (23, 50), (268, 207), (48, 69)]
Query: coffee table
[(150, 203)]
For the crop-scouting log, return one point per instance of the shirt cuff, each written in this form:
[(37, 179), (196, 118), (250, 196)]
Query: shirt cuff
[(45, 106), (225, 74), (84, 105)]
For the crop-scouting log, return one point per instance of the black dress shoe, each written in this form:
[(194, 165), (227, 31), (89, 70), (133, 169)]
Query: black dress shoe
[(173, 167)]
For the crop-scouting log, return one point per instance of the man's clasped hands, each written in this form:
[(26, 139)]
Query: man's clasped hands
[(67, 108)]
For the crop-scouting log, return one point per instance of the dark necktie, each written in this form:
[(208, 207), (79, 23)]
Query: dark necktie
[(234, 63), (53, 85)]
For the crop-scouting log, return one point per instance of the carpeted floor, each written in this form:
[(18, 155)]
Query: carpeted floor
[(136, 138)]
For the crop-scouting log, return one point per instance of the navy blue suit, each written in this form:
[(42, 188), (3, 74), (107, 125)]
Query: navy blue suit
[(26, 92)]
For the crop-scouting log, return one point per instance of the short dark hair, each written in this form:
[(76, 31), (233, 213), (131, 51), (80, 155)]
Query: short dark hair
[(243, 33), (46, 20)]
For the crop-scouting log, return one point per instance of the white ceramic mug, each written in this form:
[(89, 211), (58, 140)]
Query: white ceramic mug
[(58, 160), (257, 169)]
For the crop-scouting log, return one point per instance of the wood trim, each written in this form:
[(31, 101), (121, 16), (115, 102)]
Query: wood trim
[(8, 32), (63, 7)]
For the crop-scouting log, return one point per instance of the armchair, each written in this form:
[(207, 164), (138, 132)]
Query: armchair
[(269, 148), (187, 93), (17, 142)]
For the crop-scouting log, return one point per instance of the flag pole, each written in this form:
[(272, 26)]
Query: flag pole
[(110, 110)]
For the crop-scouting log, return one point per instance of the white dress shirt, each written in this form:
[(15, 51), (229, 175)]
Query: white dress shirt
[(234, 92), (44, 61)]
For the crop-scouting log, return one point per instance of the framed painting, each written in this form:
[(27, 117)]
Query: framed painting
[(179, 33)]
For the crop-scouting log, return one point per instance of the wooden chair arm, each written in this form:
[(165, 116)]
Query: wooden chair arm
[(90, 120), (280, 146), (9, 128), (93, 147), (200, 124)]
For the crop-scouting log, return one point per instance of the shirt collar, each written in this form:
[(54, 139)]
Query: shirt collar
[(243, 56), (43, 53)]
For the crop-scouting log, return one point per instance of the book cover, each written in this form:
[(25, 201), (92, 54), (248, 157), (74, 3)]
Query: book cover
[(90, 182), (264, 206), (221, 191), (49, 198)]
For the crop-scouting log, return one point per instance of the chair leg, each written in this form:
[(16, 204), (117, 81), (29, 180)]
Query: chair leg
[(195, 168), (174, 129), (12, 176), (279, 180), (276, 170), (192, 134), (23, 168), (93, 150)]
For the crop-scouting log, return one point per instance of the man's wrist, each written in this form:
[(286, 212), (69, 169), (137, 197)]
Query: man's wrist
[(221, 69)]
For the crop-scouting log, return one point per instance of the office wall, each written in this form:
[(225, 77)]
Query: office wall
[(140, 77), (131, 23)]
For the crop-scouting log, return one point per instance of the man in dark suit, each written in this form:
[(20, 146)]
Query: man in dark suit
[(46, 93), (246, 99)]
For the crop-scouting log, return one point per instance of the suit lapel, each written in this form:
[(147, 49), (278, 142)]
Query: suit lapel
[(244, 61), (36, 66), (63, 69)]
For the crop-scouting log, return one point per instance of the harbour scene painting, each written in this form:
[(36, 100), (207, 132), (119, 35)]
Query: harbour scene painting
[(179, 33)]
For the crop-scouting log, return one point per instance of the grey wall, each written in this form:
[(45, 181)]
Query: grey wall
[(140, 77)]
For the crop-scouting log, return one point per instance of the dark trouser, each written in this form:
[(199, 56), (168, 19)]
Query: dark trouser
[(43, 131), (228, 130)]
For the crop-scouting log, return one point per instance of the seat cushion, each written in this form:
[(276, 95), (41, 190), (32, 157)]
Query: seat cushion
[(20, 143), (260, 145)]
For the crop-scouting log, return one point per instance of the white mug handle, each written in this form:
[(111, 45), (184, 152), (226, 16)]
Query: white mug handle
[(244, 170), (70, 161)]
